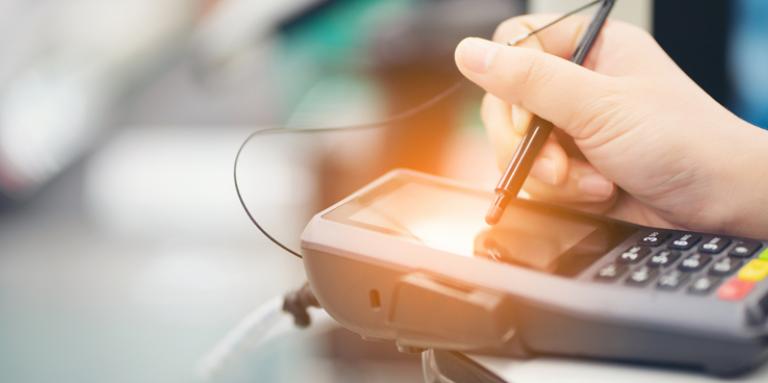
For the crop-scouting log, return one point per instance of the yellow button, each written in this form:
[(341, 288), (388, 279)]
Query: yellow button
[(754, 271), (764, 255)]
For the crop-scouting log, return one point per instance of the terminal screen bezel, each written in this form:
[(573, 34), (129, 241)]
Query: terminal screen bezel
[(607, 233)]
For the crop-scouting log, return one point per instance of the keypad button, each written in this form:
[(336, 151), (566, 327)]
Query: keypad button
[(641, 276), (754, 271), (672, 280), (663, 258), (714, 245), (684, 241), (725, 266), (654, 238), (610, 272), (703, 285), (734, 290), (745, 249), (634, 254), (694, 262)]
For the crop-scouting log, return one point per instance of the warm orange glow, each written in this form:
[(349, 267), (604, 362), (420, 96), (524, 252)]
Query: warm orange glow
[(453, 221), (454, 236), (445, 221)]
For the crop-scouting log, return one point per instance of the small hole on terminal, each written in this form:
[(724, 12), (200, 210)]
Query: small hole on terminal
[(375, 299)]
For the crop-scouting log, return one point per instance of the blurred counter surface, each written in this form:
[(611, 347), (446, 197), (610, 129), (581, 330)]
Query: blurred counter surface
[(124, 255)]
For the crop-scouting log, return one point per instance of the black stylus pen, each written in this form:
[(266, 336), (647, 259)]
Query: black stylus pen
[(538, 131)]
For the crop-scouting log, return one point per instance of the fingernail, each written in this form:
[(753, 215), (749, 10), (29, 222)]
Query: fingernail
[(476, 54), (544, 170), (596, 185)]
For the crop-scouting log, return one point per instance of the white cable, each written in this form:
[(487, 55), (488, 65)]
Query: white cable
[(251, 330)]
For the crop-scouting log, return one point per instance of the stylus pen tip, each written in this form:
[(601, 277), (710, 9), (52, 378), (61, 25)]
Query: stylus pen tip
[(493, 216), (497, 209)]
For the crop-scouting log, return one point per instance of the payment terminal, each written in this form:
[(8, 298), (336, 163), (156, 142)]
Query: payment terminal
[(409, 258)]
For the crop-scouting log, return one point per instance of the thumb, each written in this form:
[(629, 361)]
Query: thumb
[(555, 89)]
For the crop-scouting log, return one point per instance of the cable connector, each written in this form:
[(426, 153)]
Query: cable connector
[(257, 326), (298, 302)]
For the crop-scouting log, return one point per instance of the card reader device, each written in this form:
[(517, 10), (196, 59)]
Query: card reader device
[(409, 258)]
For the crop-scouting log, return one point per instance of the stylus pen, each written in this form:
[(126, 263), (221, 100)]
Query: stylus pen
[(529, 147)]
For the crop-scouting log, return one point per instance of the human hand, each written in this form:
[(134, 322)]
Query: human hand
[(659, 150)]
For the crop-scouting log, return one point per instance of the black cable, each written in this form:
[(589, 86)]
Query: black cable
[(551, 23), (255, 328), (397, 118)]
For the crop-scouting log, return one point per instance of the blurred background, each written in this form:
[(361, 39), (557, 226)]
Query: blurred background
[(124, 255)]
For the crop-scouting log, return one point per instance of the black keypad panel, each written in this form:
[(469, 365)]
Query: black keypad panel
[(703, 285), (672, 280), (634, 254), (684, 241), (744, 249), (654, 238), (641, 276), (670, 262), (714, 245), (725, 266), (610, 272), (663, 258), (694, 262)]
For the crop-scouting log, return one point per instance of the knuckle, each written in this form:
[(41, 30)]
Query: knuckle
[(627, 30), (522, 72), (486, 106), (597, 120), (533, 73), (505, 150), (489, 110), (521, 118)]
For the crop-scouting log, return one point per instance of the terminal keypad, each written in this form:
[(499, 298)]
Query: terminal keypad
[(745, 249), (672, 280), (634, 254), (714, 245), (694, 262), (663, 258), (684, 241), (654, 238), (641, 276), (690, 264), (610, 272), (725, 266)]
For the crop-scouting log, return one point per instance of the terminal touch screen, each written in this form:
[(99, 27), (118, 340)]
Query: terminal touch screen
[(451, 219)]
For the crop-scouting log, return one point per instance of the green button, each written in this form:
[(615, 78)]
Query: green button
[(764, 255)]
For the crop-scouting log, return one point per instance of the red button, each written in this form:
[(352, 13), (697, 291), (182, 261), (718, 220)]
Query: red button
[(734, 290)]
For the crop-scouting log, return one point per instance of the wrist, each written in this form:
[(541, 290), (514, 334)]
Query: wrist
[(742, 178)]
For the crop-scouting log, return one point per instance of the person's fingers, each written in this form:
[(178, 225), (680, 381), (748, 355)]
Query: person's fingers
[(555, 89), (505, 132), (497, 118), (583, 185), (551, 165), (521, 119)]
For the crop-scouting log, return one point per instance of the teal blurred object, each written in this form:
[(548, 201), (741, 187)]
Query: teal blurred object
[(339, 32), (331, 42), (749, 60), (363, 39)]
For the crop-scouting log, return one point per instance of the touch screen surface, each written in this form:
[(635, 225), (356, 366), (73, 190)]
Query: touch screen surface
[(452, 219)]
